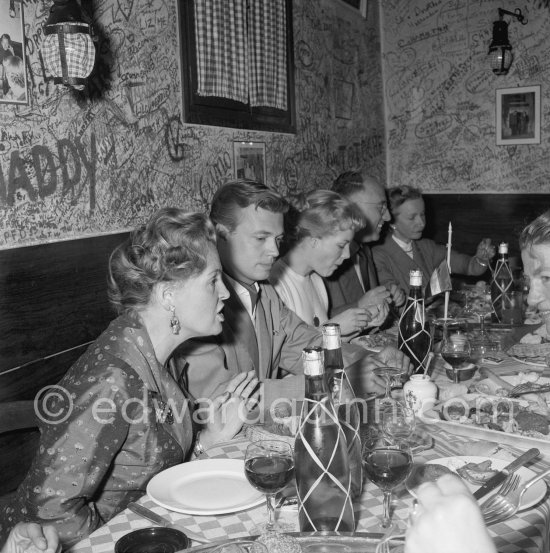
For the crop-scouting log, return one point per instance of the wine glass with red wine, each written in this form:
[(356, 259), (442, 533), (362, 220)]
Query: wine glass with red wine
[(457, 351), (269, 467), (387, 464)]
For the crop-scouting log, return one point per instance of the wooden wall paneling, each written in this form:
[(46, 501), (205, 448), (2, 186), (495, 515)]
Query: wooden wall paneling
[(27, 380), (53, 297), (500, 217)]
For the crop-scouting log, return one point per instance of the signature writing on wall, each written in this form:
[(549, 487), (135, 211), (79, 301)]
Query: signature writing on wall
[(69, 171)]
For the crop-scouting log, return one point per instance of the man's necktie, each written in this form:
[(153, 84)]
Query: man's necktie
[(363, 267), (251, 338)]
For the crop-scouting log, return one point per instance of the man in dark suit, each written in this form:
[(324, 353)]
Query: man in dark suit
[(259, 332), (354, 283)]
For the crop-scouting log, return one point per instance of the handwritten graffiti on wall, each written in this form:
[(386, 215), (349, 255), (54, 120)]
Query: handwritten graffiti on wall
[(74, 164), (440, 96), (76, 168)]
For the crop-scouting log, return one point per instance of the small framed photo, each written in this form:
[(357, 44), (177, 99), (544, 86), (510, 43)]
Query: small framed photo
[(249, 160), (518, 115), (13, 69), (360, 5)]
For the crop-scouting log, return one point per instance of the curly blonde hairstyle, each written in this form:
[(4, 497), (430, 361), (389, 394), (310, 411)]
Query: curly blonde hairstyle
[(320, 213), (172, 246)]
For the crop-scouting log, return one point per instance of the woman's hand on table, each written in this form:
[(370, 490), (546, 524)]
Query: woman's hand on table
[(226, 413), (29, 537), (375, 296), (447, 519), (378, 313), (352, 320)]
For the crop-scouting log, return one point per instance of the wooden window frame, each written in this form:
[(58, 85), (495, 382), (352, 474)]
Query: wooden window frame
[(223, 112)]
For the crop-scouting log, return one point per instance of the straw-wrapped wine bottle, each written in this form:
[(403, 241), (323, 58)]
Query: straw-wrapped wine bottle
[(345, 402), (323, 480), (414, 338), (501, 283)]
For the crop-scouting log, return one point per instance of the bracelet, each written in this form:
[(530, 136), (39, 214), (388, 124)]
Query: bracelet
[(198, 449), (482, 263)]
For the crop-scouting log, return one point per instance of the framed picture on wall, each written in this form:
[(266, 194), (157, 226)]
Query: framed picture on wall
[(249, 160), (518, 115), (13, 71), (360, 5)]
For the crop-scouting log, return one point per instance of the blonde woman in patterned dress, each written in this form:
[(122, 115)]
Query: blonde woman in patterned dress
[(119, 417)]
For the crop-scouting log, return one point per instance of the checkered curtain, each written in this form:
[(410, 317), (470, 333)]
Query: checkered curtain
[(220, 30), (267, 47), (230, 65)]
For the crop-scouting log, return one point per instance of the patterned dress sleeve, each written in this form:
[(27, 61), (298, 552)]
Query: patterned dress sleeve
[(77, 450)]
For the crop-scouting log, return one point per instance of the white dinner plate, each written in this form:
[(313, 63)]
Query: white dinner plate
[(531, 497), (205, 487)]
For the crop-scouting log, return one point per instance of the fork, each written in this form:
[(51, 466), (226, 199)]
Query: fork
[(503, 506), (509, 485), (528, 388)]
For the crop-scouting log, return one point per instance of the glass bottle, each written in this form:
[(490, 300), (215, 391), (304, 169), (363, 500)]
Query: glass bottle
[(345, 402), (323, 479), (414, 338), (501, 283)]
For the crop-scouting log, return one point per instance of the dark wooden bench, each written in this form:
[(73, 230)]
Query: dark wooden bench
[(53, 303)]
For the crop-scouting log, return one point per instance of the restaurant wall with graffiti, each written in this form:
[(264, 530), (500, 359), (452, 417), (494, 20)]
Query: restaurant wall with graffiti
[(440, 95), (77, 164)]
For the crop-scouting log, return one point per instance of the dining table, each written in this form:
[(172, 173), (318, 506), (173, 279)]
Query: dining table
[(528, 531)]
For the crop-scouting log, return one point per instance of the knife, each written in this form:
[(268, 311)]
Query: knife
[(498, 478), (161, 521)]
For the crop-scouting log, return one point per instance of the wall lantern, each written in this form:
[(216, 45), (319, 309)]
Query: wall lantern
[(500, 49), (68, 49)]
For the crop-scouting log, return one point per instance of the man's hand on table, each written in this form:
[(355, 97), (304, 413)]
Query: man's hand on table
[(447, 519)]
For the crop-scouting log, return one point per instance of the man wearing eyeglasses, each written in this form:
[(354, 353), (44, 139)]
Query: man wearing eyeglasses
[(355, 283)]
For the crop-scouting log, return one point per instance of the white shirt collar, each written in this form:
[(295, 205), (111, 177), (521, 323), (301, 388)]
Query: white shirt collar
[(244, 295), (407, 247)]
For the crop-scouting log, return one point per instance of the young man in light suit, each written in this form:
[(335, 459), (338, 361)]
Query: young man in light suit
[(355, 283), (260, 334)]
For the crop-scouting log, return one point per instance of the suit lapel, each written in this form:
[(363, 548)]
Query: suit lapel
[(239, 332), (265, 333)]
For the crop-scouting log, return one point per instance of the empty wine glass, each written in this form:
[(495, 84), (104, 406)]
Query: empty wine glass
[(478, 302), (387, 464), (269, 467), (388, 374), (456, 350), (398, 421)]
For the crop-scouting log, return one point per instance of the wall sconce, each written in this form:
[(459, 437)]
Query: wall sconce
[(500, 49), (68, 49)]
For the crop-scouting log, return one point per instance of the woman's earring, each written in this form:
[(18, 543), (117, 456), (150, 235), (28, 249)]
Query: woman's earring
[(174, 321)]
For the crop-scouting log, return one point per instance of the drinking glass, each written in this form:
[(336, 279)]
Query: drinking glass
[(387, 464), (398, 421), (269, 467), (456, 350), (388, 373), (478, 302)]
